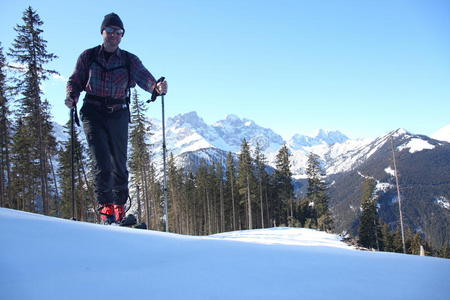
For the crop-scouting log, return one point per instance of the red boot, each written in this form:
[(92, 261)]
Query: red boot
[(107, 214), (119, 212)]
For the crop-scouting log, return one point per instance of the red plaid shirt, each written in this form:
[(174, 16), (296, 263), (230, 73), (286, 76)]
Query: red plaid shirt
[(95, 81)]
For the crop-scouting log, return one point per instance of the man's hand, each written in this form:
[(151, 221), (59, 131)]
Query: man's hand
[(71, 102), (161, 87)]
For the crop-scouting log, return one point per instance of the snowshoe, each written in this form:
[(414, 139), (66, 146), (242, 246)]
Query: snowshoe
[(107, 214), (128, 221), (141, 226), (119, 212)]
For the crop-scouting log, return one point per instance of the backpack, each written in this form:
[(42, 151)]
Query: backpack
[(92, 58)]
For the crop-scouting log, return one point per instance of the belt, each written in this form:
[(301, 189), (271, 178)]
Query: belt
[(105, 100), (108, 104)]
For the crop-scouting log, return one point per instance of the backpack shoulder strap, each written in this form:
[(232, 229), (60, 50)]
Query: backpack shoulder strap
[(128, 66), (92, 54)]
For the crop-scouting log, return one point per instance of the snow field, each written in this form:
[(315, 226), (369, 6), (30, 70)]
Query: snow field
[(49, 258)]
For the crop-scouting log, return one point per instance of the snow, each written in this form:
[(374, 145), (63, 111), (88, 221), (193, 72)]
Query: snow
[(383, 186), (390, 171), (49, 258), (416, 145), (442, 202), (442, 134)]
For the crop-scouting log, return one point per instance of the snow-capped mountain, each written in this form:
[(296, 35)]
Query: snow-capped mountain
[(423, 165), (423, 162), (189, 136), (322, 137), (442, 134)]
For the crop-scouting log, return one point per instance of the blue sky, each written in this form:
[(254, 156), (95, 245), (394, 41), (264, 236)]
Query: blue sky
[(361, 67)]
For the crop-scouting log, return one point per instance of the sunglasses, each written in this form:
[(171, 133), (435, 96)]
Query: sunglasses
[(112, 30)]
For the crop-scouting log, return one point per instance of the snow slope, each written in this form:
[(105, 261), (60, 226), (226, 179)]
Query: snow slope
[(442, 134), (49, 258)]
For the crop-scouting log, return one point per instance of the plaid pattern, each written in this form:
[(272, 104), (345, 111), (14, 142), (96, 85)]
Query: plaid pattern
[(96, 81)]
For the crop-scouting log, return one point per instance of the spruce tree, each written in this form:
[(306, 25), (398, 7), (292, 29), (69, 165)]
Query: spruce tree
[(284, 188), (29, 52), (140, 157), (231, 190), (246, 181), (388, 238), (203, 194), (317, 193), (369, 228), (5, 137), (85, 206), (262, 179)]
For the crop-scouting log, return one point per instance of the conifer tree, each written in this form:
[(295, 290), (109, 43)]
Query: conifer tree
[(246, 181), (29, 52), (369, 229), (262, 179), (140, 157), (317, 193), (444, 251), (5, 137), (203, 191), (220, 184), (284, 188), (85, 206), (231, 188), (175, 195), (388, 238)]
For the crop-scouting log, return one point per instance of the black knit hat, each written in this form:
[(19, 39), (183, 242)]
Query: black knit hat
[(112, 19)]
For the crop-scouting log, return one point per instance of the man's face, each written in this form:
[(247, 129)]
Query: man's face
[(112, 39)]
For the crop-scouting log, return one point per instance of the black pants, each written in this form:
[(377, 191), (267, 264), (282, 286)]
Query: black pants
[(107, 137)]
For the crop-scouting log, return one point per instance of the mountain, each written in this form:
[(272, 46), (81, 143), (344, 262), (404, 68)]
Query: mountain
[(423, 165), (442, 134), (49, 258), (299, 141), (187, 134)]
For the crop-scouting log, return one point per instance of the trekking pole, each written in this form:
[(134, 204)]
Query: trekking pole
[(166, 214), (72, 158)]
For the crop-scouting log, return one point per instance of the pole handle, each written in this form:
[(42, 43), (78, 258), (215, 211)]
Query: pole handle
[(155, 94)]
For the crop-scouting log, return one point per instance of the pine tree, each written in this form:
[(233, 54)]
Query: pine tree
[(140, 157), (23, 180), (85, 205), (29, 51), (246, 181), (231, 190), (388, 238), (220, 184), (203, 195), (284, 189), (369, 229), (262, 179), (444, 251), (5, 137), (174, 183), (317, 193)]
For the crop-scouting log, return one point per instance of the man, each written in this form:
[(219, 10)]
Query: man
[(107, 73)]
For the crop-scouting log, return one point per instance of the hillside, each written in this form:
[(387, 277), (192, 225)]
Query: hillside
[(49, 258), (424, 178)]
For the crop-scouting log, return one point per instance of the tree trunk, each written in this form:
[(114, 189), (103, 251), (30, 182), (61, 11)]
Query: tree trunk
[(249, 204)]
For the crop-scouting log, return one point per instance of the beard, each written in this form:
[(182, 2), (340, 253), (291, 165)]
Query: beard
[(111, 43)]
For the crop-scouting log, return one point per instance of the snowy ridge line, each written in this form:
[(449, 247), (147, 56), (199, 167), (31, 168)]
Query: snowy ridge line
[(188, 133), (285, 236)]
